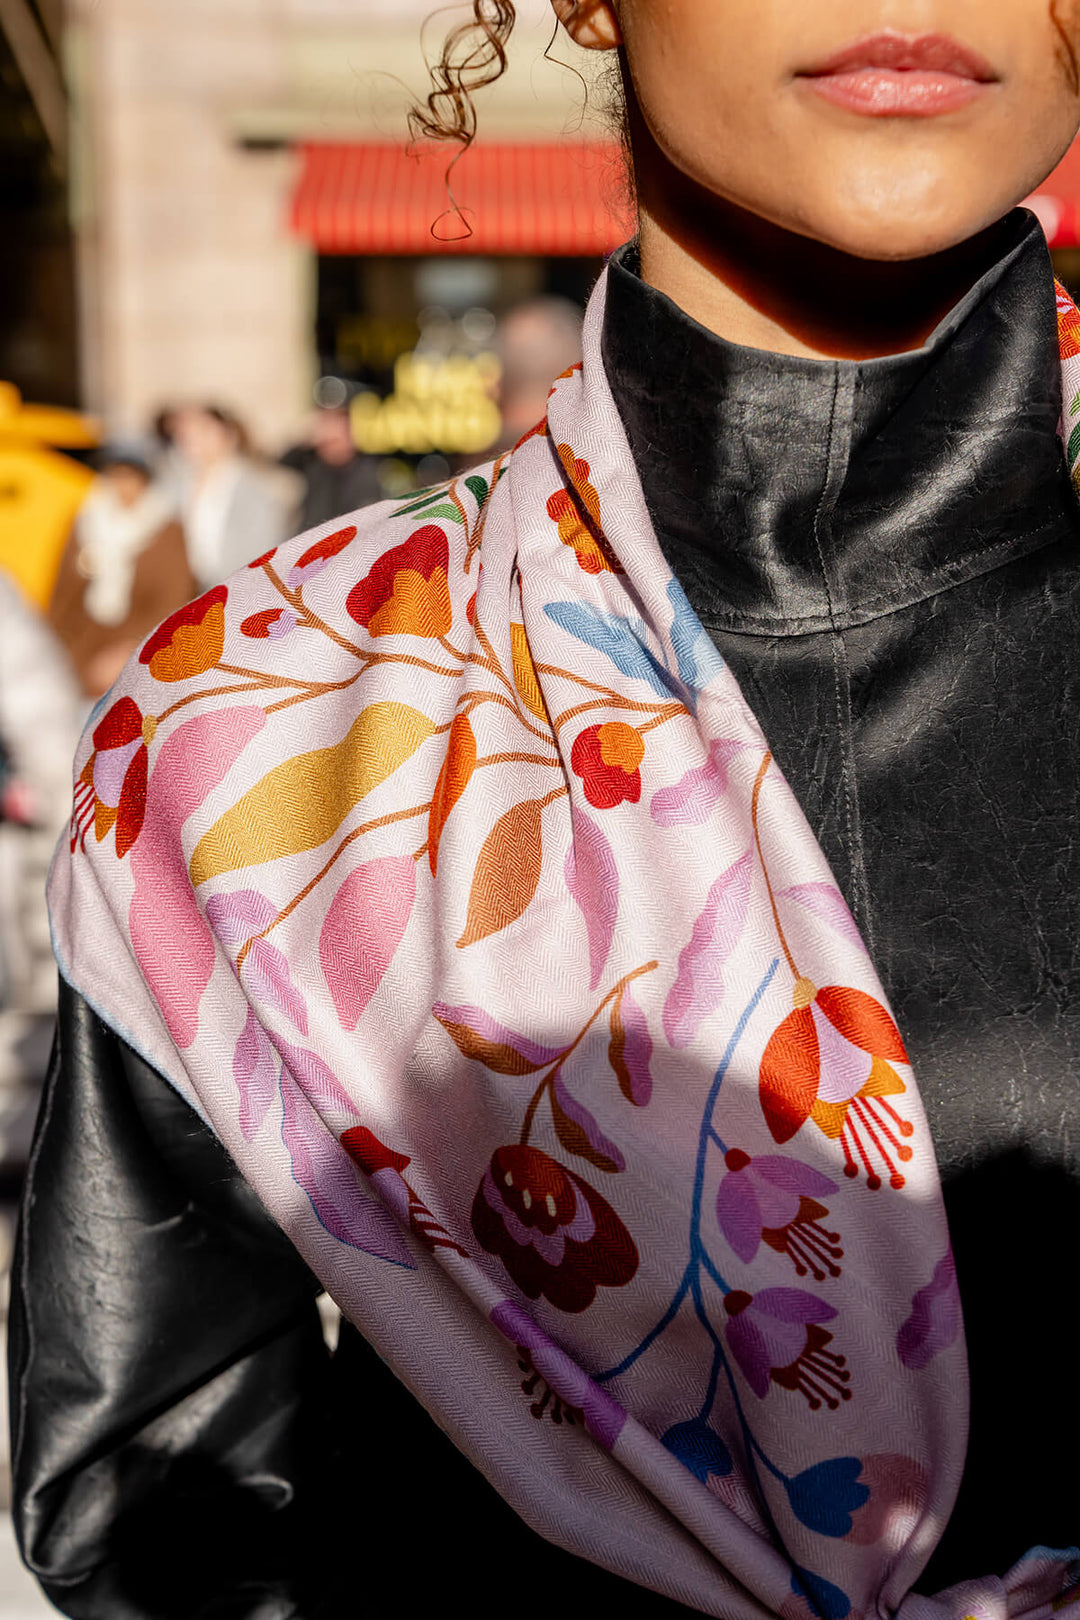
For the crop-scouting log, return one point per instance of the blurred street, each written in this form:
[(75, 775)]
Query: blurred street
[(20, 1595)]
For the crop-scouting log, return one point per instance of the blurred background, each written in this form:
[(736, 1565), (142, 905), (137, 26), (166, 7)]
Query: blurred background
[(235, 303)]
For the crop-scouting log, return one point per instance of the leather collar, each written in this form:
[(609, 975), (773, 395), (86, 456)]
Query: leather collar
[(794, 495)]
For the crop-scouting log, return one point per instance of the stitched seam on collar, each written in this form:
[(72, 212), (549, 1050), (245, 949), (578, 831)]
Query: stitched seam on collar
[(880, 607)]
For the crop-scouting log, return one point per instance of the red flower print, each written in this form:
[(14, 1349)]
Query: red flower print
[(405, 592), (831, 1061), (267, 556), (607, 758), (317, 555), (190, 641), (271, 622), (383, 1168), (777, 1338), (111, 789), (555, 1235)]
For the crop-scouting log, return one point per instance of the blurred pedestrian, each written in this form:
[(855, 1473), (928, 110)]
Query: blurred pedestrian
[(537, 341), (337, 478), (41, 711), (123, 569), (233, 508)]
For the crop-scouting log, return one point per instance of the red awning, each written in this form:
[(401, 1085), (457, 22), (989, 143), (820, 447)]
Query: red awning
[(559, 198), (1057, 202)]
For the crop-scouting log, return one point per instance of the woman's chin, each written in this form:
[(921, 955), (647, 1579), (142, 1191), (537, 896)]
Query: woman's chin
[(892, 229)]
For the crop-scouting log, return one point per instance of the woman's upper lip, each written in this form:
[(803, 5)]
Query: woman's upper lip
[(912, 53)]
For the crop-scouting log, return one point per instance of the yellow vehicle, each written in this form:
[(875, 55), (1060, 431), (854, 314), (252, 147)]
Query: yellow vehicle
[(40, 491)]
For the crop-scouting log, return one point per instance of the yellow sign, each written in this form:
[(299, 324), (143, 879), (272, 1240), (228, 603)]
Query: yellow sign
[(439, 403), (40, 491)]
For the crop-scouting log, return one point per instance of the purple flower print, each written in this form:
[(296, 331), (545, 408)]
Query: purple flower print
[(575, 1392), (775, 1200), (935, 1320), (776, 1337)]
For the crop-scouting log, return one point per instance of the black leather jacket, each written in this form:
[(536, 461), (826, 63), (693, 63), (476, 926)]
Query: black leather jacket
[(887, 555)]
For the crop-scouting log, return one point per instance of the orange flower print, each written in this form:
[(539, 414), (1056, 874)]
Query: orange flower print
[(1068, 324), (111, 789), (190, 641), (831, 1061), (405, 592), (577, 514), (607, 758)]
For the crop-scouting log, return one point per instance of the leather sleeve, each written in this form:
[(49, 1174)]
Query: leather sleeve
[(184, 1446), (169, 1378)]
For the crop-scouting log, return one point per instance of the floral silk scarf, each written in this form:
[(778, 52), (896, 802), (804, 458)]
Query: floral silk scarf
[(438, 861)]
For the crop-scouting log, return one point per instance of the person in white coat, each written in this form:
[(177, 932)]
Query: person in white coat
[(233, 508)]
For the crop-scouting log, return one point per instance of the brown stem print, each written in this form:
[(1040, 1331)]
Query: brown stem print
[(549, 1075), (309, 888)]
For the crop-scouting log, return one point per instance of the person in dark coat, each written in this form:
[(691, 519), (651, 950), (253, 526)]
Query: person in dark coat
[(337, 478)]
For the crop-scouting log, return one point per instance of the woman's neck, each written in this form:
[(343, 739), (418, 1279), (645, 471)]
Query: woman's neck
[(757, 284)]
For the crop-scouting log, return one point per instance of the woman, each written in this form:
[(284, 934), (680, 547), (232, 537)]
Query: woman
[(232, 508), (123, 569), (40, 717), (550, 1023)]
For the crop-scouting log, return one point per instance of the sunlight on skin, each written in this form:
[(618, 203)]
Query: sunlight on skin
[(783, 210)]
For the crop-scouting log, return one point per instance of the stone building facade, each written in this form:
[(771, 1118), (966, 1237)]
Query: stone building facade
[(187, 119)]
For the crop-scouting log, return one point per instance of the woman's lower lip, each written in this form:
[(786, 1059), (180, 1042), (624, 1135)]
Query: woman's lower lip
[(889, 93)]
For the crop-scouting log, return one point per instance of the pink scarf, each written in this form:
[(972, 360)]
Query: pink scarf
[(439, 862)]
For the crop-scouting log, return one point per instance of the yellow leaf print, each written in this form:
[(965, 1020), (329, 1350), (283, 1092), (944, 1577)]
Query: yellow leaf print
[(300, 803), (525, 677)]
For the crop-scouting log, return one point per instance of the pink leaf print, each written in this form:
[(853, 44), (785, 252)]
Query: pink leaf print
[(630, 1050), (483, 1038), (166, 925), (593, 880), (255, 1070), (364, 927), (579, 1133), (824, 901), (322, 1167), (936, 1319), (237, 916), (319, 1084), (266, 976), (693, 798), (699, 986)]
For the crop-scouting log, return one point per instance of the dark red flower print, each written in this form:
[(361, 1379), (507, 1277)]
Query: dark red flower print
[(555, 1235), (384, 1169), (318, 554), (607, 758), (267, 556), (774, 1200), (111, 789), (272, 623), (831, 1061), (405, 593), (560, 1388), (777, 1338), (190, 641), (543, 1402)]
